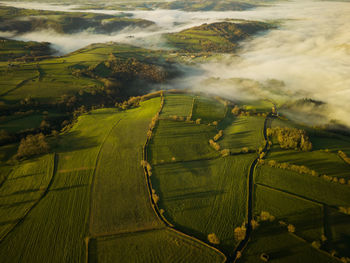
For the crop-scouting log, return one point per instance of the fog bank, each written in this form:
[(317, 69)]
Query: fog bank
[(308, 55)]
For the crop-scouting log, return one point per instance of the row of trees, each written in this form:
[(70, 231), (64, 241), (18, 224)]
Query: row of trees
[(302, 169), (344, 157), (237, 111), (291, 138)]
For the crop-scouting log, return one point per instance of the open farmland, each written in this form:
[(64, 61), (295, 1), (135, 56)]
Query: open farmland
[(281, 246), (81, 156), (243, 132), (208, 110), (119, 176), (171, 137), (161, 245), (22, 190), (197, 196)]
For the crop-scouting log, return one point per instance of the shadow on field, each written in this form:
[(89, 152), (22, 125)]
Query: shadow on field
[(74, 141), (27, 191), (69, 187), (13, 221), (17, 203)]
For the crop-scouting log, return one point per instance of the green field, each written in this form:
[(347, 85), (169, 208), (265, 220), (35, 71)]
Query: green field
[(119, 176), (66, 205), (22, 190), (322, 162), (156, 246), (220, 37), (177, 105), (208, 110), (281, 246), (171, 137), (205, 196), (243, 132), (305, 215), (92, 198), (86, 155)]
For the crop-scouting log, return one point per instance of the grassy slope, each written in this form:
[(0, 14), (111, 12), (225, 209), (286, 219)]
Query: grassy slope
[(22, 189), (63, 213), (27, 122), (157, 246), (320, 161), (307, 186), (64, 22), (219, 37), (10, 49), (196, 192), (281, 246), (208, 110), (243, 132), (55, 76), (204, 197), (305, 215), (119, 176), (177, 105), (172, 136)]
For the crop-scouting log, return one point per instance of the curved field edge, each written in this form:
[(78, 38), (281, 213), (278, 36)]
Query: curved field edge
[(24, 187), (63, 214), (162, 245)]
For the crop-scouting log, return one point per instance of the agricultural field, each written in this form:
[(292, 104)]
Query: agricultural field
[(212, 188), (84, 168), (222, 37), (208, 110), (281, 246), (244, 131), (161, 245), (174, 131), (171, 136), (178, 105)]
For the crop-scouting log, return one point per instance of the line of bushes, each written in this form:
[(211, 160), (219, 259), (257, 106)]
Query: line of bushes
[(344, 157), (302, 169)]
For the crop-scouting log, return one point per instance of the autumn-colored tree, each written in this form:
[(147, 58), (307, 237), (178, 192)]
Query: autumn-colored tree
[(212, 238), (32, 145), (240, 232)]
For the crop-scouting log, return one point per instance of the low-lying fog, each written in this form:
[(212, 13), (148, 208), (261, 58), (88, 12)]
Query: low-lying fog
[(309, 52)]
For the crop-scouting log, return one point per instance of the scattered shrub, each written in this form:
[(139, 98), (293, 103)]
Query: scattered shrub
[(291, 228), (225, 152), (344, 157), (218, 135), (266, 216), (212, 238), (245, 150), (316, 244), (344, 210), (240, 233), (155, 197), (255, 224), (215, 145), (264, 257)]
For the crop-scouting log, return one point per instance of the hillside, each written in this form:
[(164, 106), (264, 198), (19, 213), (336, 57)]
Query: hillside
[(53, 88), (221, 37), (26, 20), (159, 182)]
